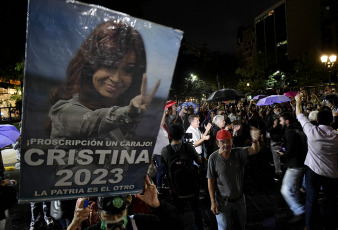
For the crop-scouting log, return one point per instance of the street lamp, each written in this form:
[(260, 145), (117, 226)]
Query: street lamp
[(193, 77), (329, 62)]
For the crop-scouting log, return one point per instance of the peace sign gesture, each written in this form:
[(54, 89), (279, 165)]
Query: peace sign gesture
[(140, 102)]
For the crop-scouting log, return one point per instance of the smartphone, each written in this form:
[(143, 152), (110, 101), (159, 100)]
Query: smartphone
[(188, 135), (85, 204)]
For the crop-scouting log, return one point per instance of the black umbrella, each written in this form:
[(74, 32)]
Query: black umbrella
[(330, 96), (225, 95)]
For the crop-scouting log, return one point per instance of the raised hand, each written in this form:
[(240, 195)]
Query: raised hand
[(80, 214), (255, 133), (236, 128), (208, 126), (299, 96), (141, 101), (149, 195)]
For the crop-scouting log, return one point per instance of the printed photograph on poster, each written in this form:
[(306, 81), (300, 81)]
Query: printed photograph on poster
[(96, 82)]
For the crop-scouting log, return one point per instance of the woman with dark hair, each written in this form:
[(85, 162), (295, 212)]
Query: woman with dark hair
[(105, 87), (254, 119)]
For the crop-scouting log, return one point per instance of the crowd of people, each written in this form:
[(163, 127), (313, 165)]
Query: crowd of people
[(213, 144), (285, 130)]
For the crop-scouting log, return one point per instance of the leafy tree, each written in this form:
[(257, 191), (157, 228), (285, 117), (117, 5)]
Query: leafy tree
[(309, 71), (254, 74)]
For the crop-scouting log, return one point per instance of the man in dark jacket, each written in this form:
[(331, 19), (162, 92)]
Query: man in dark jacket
[(218, 123), (276, 134), (294, 151), (188, 152)]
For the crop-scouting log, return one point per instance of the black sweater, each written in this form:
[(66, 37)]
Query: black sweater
[(295, 143)]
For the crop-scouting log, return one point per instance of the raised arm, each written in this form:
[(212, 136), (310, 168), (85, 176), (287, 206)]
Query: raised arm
[(80, 215), (298, 99), (255, 146)]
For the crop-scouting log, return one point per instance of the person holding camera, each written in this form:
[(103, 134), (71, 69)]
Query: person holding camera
[(113, 215), (179, 158)]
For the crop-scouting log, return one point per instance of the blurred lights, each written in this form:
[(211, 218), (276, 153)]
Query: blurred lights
[(333, 58), (324, 58), (193, 77), (328, 61)]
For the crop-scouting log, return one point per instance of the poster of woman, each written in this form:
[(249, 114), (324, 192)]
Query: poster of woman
[(96, 82)]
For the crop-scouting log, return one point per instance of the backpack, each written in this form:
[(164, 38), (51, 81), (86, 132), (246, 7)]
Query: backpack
[(182, 174)]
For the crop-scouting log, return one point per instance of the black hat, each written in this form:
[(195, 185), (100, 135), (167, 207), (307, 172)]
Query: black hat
[(113, 204)]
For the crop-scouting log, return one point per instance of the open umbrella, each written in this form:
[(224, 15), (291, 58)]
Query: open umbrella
[(269, 100), (257, 97), (168, 104), (8, 135), (329, 96), (290, 94), (225, 95)]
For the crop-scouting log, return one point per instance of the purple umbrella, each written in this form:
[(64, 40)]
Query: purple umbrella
[(257, 97), (8, 135), (272, 100)]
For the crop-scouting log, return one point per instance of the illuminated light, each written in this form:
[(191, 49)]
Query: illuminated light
[(281, 43), (324, 58), (271, 12), (333, 58)]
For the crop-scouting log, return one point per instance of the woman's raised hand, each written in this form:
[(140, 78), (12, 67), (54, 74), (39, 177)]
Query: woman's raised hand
[(141, 101)]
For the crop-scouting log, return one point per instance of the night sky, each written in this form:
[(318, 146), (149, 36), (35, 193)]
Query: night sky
[(213, 22)]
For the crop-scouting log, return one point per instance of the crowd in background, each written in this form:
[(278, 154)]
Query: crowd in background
[(238, 117)]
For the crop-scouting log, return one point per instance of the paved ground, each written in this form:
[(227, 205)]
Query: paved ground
[(266, 209)]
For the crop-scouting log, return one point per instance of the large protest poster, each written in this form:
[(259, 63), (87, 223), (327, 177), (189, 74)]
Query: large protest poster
[(96, 82)]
